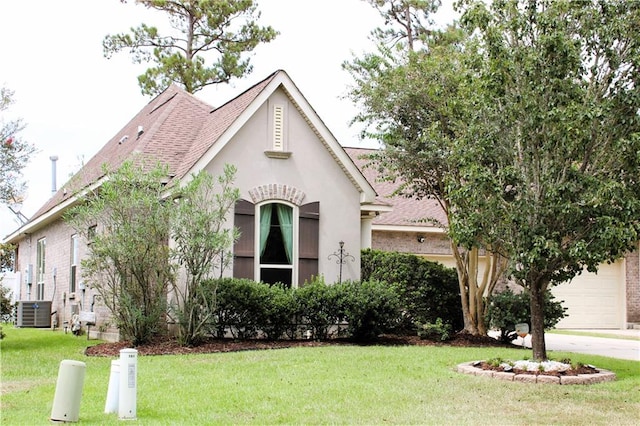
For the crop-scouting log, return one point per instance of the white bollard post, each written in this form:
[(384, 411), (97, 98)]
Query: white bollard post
[(66, 401), (128, 385), (111, 405)]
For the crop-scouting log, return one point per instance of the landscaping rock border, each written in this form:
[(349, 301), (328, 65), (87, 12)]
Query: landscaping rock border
[(580, 379)]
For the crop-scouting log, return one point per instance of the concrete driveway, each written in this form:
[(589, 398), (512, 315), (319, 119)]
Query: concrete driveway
[(611, 347)]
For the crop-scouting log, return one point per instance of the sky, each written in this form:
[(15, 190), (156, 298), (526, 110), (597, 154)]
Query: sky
[(73, 100)]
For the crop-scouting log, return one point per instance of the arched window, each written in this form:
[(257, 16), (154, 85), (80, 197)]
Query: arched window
[(276, 243)]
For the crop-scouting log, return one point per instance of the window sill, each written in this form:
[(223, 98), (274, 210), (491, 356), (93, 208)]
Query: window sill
[(281, 155)]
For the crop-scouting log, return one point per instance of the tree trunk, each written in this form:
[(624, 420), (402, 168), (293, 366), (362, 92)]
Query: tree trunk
[(538, 345), (470, 326), (474, 288)]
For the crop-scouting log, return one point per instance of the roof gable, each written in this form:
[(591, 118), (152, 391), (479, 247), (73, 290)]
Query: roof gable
[(185, 133), (244, 107)]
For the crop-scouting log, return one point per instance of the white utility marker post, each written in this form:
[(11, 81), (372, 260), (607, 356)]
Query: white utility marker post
[(128, 384), (111, 405), (66, 401)]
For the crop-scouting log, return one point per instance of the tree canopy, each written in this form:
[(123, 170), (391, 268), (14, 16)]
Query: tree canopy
[(417, 103), (524, 124), (15, 153), (556, 173), (406, 22), (225, 30)]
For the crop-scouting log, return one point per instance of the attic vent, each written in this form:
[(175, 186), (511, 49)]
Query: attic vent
[(278, 128)]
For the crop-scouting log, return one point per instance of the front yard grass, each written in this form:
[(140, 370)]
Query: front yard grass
[(316, 385)]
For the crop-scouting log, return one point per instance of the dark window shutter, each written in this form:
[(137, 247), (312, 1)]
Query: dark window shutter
[(243, 248), (308, 242)]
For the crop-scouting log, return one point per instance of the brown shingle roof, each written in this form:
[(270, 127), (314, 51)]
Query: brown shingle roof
[(178, 129), (406, 211)]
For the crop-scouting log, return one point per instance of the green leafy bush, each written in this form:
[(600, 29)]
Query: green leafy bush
[(507, 309), (434, 330), (427, 290), (320, 308), (278, 312), (371, 308), (240, 307)]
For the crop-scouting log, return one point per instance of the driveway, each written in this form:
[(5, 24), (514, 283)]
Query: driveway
[(611, 347)]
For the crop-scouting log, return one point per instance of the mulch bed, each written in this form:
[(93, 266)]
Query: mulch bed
[(171, 347)]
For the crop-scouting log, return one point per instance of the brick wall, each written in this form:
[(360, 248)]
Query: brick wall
[(632, 267), (407, 242), (57, 273)]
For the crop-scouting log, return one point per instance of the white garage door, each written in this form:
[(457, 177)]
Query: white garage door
[(594, 300)]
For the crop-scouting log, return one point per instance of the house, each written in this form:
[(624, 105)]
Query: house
[(291, 172), (608, 299)]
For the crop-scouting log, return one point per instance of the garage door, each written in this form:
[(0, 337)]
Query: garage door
[(594, 300)]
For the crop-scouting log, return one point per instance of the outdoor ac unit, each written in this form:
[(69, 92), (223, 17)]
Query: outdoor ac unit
[(34, 313)]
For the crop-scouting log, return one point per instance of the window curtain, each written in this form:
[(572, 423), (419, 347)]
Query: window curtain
[(265, 226), (285, 216)]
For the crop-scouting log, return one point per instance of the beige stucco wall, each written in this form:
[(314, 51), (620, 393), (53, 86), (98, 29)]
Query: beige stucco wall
[(310, 168)]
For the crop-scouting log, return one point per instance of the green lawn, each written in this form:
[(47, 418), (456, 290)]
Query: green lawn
[(324, 385)]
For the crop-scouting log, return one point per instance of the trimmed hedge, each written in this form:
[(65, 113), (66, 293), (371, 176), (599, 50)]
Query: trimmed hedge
[(319, 309), (248, 309), (371, 308), (398, 293)]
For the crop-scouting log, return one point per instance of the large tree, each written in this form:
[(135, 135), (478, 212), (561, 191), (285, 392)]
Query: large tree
[(556, 171), (417, 103), (14, 153), (406, 22), (223, 30)]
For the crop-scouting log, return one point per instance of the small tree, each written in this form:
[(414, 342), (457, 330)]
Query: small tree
[(14, 153), (129, 258), (202, 245), (227, 28), (7, 257), (418, 105)]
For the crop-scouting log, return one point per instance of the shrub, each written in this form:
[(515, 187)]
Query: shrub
[(240, 307), (427, 290), (434, 331), (507, 309), (371, 308), (319, 307), (278, 312)]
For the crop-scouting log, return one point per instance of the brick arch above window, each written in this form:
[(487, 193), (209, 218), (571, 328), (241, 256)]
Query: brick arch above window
[(276, 191)]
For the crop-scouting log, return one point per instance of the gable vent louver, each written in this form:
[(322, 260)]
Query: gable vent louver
[(278, 128)]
